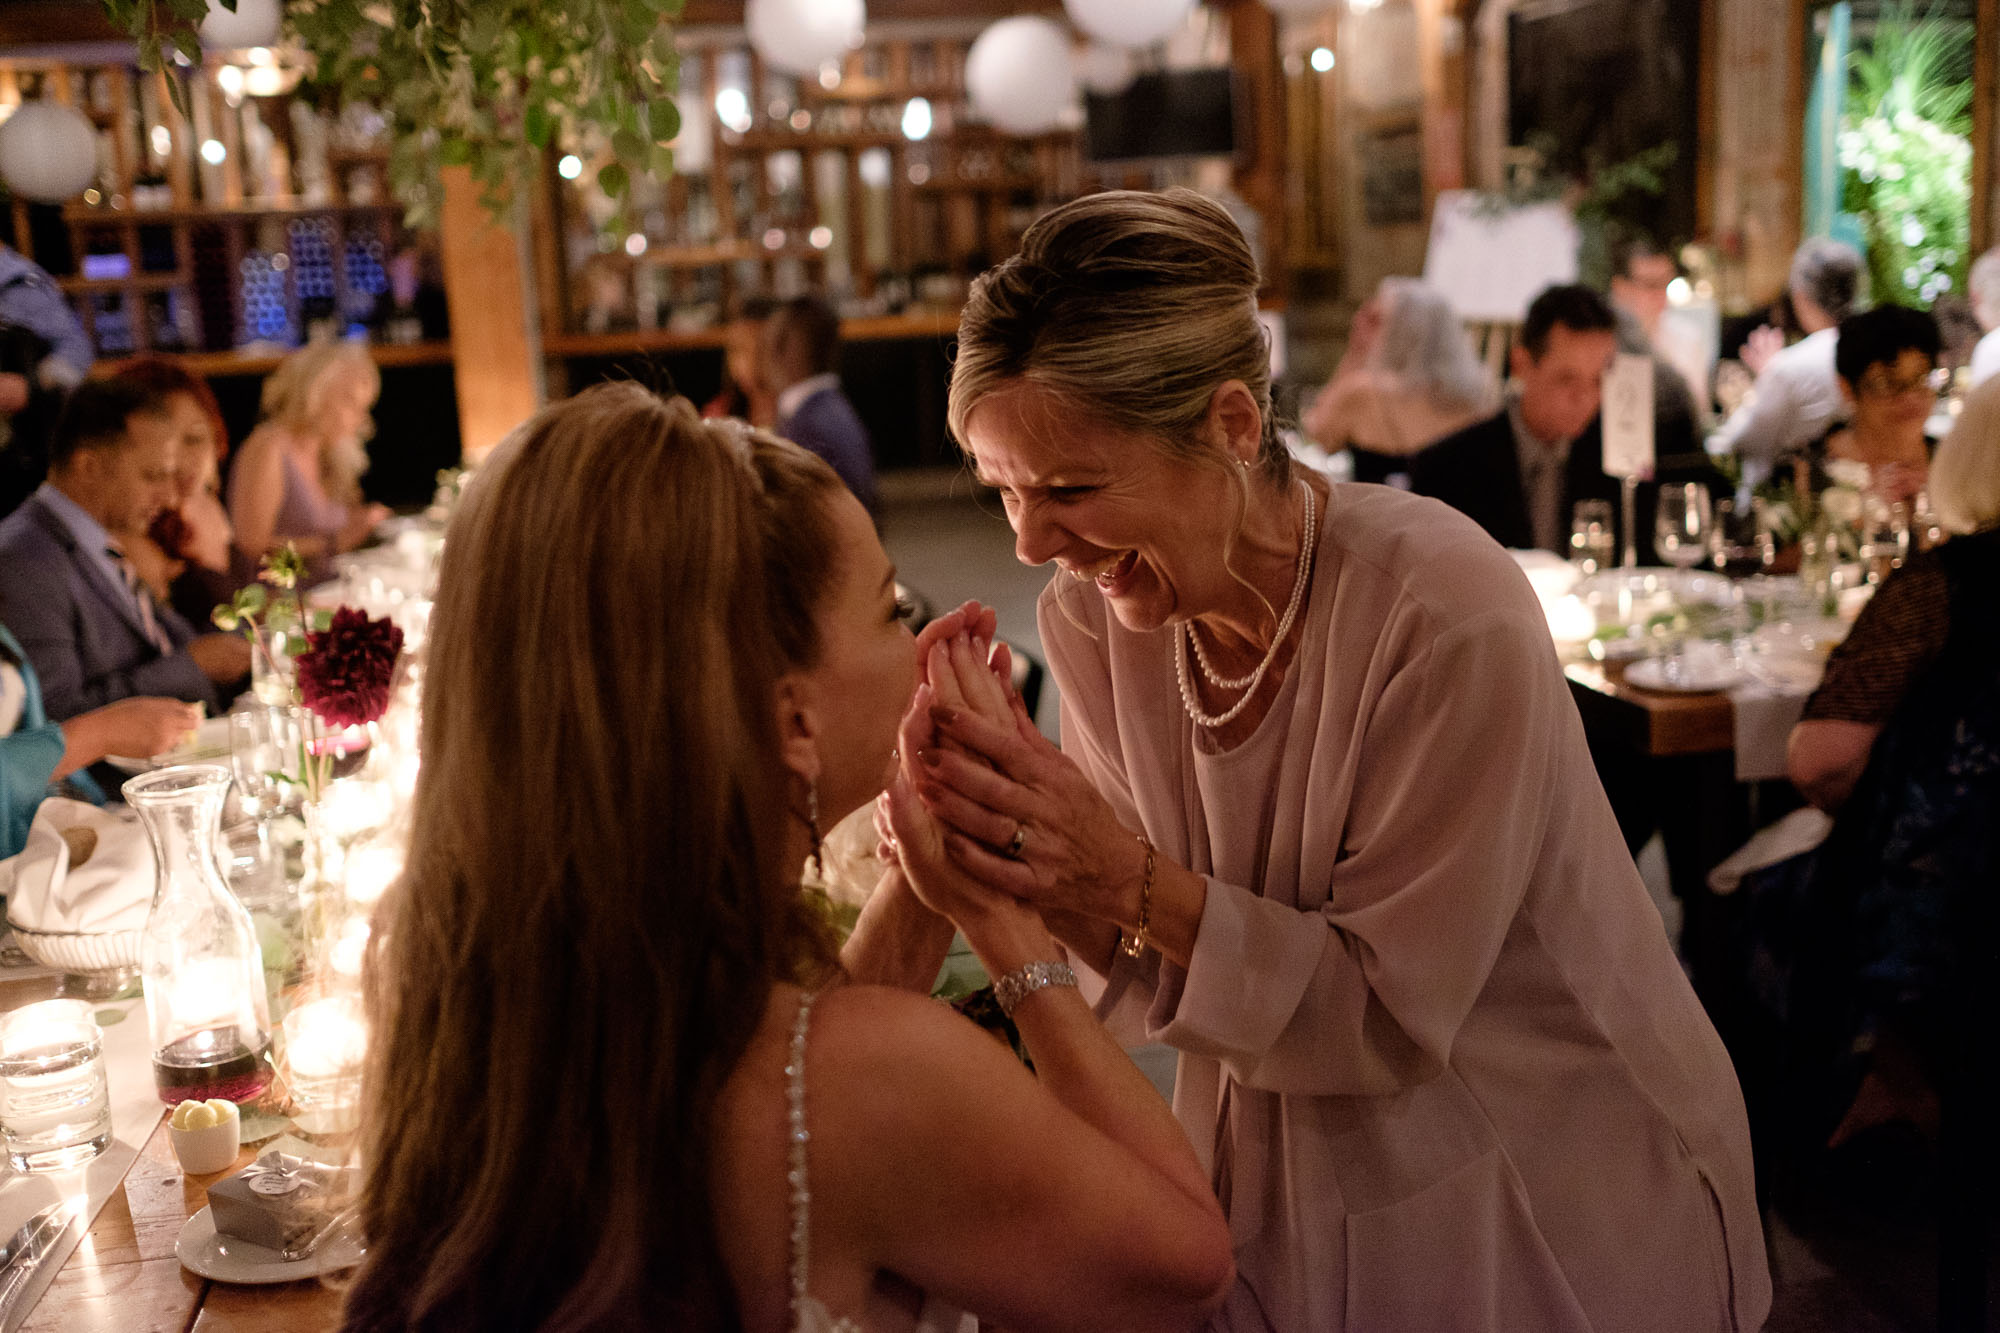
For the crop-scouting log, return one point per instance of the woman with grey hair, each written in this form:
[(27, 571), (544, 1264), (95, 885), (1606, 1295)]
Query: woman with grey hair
[(1407, 380), (1983, 284), (1797, 394)]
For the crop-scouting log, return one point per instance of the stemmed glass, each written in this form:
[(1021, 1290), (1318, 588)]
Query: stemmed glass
[(1682, 529), (1744, 550), (1683, 525), (1592, 536), (263, 758)]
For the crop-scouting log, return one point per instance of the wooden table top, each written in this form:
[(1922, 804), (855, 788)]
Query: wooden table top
[(124, 1278), (1651, 721)]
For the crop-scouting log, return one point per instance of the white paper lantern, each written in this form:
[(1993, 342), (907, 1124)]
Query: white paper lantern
[(1298, 8), (255, 23), (1128, 22), (1106, 69), (48, 152), (798, 36), (1021, 74)]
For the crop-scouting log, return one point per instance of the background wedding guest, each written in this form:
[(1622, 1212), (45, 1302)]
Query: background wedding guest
[(44, 352), (1983, 284), (36, 753), (1407, 379), (1519, 472), (801, 366), (616, 1079), (746, 391), (1797, 391), (1886, 360), (83, 615), (184, 554), (1641, 276), (297, 477), (1324, 820)]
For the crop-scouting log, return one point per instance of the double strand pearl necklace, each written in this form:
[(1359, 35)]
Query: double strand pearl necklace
[(1248, 684)]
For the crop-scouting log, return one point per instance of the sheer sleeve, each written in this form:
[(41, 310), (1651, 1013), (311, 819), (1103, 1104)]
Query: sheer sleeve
[(1901, 631)]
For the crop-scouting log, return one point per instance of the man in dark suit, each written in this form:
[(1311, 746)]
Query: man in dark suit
[(802, 350), (1519, 472), (88, 625)]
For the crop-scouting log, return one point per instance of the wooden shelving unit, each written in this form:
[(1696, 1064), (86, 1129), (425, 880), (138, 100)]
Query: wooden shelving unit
[(199, 253), (821, 190)]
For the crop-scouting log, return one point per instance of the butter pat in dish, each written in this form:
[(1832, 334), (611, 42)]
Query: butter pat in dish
[(206, 1135)]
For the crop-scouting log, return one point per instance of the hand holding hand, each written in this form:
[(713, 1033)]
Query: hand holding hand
[(1021, 818)]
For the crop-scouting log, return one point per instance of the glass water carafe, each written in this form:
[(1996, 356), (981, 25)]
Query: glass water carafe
[(204, 972)]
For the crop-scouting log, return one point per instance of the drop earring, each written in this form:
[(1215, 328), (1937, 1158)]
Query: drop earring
[(812, 826)]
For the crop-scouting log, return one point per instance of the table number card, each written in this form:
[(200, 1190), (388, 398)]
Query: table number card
[(1628, 416)]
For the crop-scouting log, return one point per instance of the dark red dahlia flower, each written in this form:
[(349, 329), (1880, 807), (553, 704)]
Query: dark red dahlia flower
[(346, 668)]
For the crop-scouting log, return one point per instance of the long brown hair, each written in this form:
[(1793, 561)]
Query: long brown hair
[(595, 907)]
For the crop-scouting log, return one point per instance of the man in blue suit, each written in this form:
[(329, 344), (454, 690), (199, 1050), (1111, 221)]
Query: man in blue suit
[(91, 629), (802, 346)]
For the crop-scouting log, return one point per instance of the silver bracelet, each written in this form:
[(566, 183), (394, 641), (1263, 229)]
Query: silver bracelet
[(1022, 982)]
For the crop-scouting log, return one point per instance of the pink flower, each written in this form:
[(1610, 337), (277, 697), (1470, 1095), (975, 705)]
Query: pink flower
[(345, 670)]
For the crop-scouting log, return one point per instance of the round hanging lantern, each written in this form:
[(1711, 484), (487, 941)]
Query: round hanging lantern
[(1106, 70), (1129, 22), (1298, 8), (48, 152), (255, 23), (1021, 74), (799, 36)]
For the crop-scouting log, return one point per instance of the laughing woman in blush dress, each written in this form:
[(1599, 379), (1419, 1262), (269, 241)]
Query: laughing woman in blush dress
[(1324, 820)]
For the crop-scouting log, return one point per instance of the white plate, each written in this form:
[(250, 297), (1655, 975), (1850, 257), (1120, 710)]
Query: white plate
[(208, 745), (1695, 676), (224, 1259)]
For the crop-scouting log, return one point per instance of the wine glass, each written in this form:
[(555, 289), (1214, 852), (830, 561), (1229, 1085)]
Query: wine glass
[(1681, 531), (1744, 551), (1592, 537)]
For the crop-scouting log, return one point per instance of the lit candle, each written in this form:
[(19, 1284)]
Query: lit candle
[(326, 1039), (1570, 621), (354, 806), (370, 872), (350, 948)]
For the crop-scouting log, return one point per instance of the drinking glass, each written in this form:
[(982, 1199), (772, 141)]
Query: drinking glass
[(1683, 525), (55, 1105), (1885, 535), (1593, 541)]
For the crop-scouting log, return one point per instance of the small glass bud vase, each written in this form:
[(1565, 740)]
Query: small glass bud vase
[(206, 1002)]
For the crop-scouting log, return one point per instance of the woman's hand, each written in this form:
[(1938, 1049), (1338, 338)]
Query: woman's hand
[(917, 841), (1021, 818)]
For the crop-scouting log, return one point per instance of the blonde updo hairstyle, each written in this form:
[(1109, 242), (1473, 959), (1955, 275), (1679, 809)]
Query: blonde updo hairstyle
[(1133, 307)]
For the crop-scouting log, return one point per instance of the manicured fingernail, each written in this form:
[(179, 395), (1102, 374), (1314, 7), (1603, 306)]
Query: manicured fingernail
[(945, 716)]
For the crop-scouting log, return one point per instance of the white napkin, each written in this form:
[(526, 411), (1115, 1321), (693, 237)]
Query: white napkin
[(1801, 830), (83, 869)]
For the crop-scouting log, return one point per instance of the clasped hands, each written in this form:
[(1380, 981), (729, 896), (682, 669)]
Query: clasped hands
[(984, 814)]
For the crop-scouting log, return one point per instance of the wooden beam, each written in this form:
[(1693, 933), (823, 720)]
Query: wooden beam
[(55, 22), (496, 343), (1441, 28)]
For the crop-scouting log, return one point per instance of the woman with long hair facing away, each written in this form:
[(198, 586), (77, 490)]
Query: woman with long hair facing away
[(620, 1077), (297, 477)]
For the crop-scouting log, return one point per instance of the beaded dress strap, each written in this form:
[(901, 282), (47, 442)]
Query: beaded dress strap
[(797, 1136)]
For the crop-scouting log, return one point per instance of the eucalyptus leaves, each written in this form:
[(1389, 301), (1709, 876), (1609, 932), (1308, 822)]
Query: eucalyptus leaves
[(485, 84)]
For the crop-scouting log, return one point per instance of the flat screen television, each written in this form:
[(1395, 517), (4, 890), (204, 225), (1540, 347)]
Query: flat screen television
[(1170, 113)]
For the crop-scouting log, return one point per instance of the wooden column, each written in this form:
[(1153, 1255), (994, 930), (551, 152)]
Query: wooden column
[(1441, 37), (496, 344), (1253, 49), (1757, 176)]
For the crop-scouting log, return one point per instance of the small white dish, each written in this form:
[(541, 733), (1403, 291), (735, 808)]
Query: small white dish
[(208, 744), (226, 1259), (211, 1148), (1694, 675)]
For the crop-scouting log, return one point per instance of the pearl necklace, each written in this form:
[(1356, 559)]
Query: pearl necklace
[(1248, 684)]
